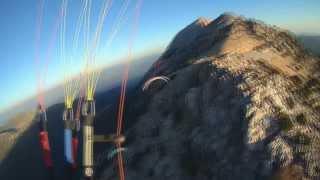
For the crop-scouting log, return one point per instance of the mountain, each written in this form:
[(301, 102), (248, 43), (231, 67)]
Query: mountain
[(242, 103), (188, 34), (12, 130)]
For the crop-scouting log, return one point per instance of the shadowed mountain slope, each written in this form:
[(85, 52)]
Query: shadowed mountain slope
[(242, 103)]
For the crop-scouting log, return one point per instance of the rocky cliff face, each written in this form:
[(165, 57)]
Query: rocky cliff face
[(242, 103)]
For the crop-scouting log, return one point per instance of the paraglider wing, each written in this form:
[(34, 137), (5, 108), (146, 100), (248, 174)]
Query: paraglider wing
[(147, 84)]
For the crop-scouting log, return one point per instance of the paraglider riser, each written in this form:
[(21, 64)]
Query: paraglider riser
[(88, 113), (69, 125), (69, 122), (88, 140), (42, 121), (45, 147), (44, 140)]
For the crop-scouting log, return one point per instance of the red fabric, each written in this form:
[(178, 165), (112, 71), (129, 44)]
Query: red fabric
[(45, 147), (75, 143)]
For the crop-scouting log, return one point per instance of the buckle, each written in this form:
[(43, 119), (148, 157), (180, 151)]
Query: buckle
[(89, 108)]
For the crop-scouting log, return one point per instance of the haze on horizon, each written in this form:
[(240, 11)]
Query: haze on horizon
[(159, 22)]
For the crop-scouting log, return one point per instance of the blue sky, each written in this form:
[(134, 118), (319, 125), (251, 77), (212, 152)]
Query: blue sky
[(160, 21)]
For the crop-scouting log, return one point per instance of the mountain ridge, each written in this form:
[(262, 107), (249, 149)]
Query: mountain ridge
[(237, 34), (242, 103)]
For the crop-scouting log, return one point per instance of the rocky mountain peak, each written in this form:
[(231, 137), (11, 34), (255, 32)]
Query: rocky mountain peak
[(226, 17), (202, 21), (228, 33), (242, 102), (188, 34)]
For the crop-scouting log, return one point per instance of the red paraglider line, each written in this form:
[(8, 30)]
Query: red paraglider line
[(48, 56), (52, 41), (37, 53), (44, 140), (121, 101), (120, 163), (124, 82), (126, 72)]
